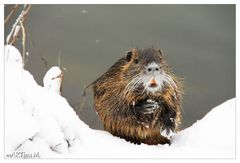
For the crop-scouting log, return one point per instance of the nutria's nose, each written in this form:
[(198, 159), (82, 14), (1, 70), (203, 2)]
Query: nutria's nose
[(153, 83)]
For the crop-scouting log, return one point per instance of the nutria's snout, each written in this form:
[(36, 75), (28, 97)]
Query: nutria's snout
[(153, 71), (153, 83)]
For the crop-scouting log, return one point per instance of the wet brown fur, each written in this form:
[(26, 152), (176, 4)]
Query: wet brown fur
[(112, 104)]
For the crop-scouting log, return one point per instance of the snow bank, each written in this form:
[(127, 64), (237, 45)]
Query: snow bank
[(41, 123)]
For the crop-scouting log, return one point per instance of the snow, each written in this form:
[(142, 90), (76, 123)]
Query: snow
[(42, 123), (53, 79)]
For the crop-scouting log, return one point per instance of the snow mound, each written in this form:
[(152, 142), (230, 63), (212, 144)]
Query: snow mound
[(53, 79), (33, 113), (41, 123)]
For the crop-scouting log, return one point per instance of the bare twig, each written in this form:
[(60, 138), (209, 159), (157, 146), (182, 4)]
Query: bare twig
[(84, 99), (15, 34), (11, 13), (23, 42), (19, 24), (44, 60), (59, 59), (21, 17)]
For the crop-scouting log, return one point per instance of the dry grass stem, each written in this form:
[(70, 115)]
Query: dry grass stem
[(11, 13)]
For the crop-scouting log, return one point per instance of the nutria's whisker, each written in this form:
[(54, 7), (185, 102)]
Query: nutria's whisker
[(170, 79)]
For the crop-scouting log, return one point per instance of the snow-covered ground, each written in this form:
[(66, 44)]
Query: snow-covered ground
[(41, 123)]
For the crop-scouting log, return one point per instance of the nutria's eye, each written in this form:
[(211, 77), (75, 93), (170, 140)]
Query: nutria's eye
[(129, 56), (149, 69), (136, 61)]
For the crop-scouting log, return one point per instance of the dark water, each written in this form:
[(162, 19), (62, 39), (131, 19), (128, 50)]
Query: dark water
[(198, 42)]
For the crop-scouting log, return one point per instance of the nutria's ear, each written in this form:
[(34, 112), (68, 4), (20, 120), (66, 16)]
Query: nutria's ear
[(132, 55), (129, 56)]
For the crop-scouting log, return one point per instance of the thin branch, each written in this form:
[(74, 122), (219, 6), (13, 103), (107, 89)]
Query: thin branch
[(23, 42), (15, 34), (11, 13), (21, 17), (84, 99), (19, 24), (59, 59), (44, 60)]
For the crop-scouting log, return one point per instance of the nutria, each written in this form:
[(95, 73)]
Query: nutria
[(139, 98)]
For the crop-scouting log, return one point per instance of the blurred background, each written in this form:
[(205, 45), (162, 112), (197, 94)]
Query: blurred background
[(198, 42)]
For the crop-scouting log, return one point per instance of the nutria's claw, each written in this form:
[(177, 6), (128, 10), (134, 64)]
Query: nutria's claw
[(148, 111), (147, 107)]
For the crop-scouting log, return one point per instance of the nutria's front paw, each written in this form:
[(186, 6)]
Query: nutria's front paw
[(146, 107)]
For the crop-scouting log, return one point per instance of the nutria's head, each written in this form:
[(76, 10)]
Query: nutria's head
[(146, 71)]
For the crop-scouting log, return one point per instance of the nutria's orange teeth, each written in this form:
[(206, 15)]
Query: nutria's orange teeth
[(153, 83)]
